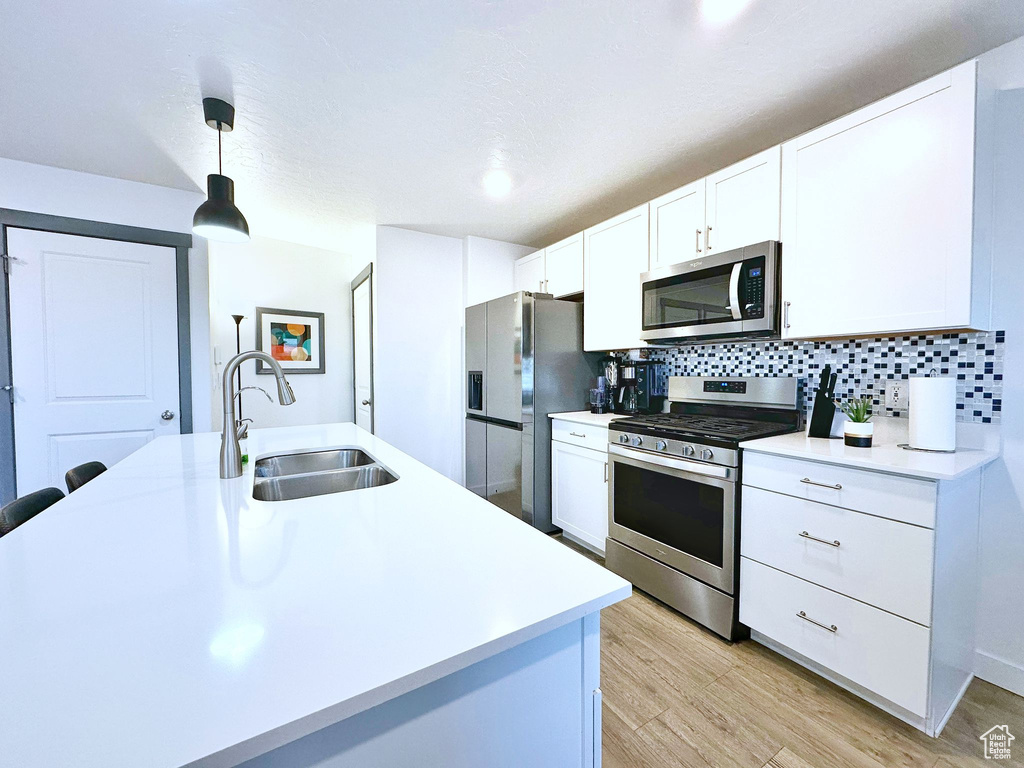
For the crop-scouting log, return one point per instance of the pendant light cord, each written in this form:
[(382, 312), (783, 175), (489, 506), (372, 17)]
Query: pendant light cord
[(220, 160)]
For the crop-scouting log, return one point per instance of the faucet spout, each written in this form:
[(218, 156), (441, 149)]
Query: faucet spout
[(230, 450)]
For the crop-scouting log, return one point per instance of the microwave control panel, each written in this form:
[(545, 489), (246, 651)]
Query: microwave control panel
[(752, 290)]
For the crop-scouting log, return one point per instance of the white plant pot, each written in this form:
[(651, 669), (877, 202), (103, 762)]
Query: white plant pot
[(858, 434)]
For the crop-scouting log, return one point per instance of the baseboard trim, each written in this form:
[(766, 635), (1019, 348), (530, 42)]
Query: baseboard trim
[(999, 672)]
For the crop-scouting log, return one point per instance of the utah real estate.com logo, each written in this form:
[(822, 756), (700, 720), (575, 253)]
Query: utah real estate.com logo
[(997, 742)]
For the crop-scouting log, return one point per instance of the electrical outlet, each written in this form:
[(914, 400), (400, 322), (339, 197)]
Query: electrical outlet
[(896, 395)]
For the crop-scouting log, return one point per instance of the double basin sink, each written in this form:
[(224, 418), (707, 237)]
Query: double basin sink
[(300, 474)]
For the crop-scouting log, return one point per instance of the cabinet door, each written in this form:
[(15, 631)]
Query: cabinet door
[(564, 266), (877, 215), (529, 274), (615, 254), (677, 225), (579, 492), (743, 203)]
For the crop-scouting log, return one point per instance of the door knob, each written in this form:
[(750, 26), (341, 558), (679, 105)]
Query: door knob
[(366, 402), (167, 415)]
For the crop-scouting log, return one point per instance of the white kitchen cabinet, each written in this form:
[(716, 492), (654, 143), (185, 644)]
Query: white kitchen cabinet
[(564, 266), (677, 225), (615, 253), (731, 208), (878, 211), (529, 273), (867, 578), (579, 484), (743, 205)]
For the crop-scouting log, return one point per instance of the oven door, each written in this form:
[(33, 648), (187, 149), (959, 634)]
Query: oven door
[(730, 294), (680, 512)]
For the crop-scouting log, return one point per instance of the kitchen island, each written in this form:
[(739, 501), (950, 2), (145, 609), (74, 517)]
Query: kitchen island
[(161, 616)]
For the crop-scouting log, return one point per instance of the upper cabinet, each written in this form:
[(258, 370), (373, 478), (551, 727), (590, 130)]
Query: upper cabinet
[(564, 264), (743, 203), (615, 253), (529, 273), (878, 212), (734, 207), (677, 225)]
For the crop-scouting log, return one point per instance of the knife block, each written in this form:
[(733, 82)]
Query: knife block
[(826, 419)]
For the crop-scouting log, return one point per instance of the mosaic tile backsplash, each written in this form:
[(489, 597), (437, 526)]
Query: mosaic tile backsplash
[(864, 366)]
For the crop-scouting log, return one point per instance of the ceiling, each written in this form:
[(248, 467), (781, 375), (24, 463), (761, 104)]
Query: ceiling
[(385, 112)]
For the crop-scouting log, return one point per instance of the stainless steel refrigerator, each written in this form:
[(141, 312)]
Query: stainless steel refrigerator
[(524, 360)]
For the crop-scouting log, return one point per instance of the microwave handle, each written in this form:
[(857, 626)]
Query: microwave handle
[(734, 291)]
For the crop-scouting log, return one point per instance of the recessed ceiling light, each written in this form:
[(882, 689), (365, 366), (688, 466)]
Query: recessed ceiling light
[(719, 12), (497, 182)]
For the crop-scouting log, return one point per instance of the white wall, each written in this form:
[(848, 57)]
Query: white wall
[(273, 273), (54, 191), (487, 268), (1001, 606), (418, 346)]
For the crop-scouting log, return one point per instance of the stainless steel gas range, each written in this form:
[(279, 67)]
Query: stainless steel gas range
[(674, 491)]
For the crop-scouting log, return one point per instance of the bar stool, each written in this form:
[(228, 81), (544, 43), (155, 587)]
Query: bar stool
[(24, 509), (78, 476)]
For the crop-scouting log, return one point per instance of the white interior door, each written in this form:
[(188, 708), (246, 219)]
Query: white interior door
[(94, 351), (362, 353)]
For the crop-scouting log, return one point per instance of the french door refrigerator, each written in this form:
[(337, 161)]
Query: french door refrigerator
[(524, 360)]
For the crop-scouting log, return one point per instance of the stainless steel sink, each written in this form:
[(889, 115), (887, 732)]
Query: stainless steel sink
[(311, 461), (319, 483)]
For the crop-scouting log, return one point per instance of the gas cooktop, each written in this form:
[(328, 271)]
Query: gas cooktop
[(696, 425)]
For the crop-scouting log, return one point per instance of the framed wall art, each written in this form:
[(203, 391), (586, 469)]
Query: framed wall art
[(294, 339)]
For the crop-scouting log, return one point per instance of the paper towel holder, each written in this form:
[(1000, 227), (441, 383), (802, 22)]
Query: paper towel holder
[(909, 447)]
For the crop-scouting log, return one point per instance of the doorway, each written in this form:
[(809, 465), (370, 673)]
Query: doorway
[(362, 347), (97, 342)]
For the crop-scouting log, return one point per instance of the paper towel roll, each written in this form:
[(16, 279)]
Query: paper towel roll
[(933, 413)]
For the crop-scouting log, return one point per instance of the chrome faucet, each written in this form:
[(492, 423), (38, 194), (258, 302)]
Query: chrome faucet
[(230, 450)]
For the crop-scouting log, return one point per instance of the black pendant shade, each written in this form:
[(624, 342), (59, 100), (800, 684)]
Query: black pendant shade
[(218, 218)]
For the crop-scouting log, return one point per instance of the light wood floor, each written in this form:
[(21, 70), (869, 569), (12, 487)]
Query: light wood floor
[(676, 695)]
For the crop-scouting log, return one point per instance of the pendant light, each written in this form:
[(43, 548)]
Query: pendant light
[(218, 218)]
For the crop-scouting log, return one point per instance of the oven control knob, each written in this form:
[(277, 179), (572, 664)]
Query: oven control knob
[(688, 450), (707, 454), (637, 441), (623, 438), (660, 445)]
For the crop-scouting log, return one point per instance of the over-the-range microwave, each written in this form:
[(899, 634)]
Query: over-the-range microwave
[(733, 294)]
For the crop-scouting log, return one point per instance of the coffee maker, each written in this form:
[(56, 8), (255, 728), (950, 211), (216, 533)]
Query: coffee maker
[(641, 389)]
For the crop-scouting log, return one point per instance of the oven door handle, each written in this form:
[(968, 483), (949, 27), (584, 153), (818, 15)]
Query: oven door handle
[(681, 465), (734, 291)]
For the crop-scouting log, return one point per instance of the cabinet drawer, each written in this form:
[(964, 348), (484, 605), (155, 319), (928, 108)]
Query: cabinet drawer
[(583, 435), (874, 649), (878, 561), (906, 499)]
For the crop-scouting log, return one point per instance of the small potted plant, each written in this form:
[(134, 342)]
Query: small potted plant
[(857, 432)]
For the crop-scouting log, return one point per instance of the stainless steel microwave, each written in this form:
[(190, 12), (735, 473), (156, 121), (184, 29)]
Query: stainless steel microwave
[(733, 294)]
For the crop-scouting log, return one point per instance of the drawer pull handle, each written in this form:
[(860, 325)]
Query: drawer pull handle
[(806, 535), (831, 487), (576, 434), (827, 627)]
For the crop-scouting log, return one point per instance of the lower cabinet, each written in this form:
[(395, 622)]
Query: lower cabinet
[(865, 577), (579, 492)]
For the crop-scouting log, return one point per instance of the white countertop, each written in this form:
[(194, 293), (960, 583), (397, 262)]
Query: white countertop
[(586, 417), (160, 616), (977, 445)]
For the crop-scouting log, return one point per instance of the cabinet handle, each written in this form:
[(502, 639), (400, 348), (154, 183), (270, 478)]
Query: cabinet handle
[(540, 286), (606, 471), (806, 535), (577, 434), (827, 627), (707, 239), (785, 314), (698, 241), (836, 487)]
